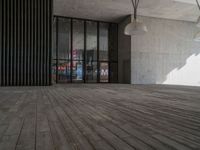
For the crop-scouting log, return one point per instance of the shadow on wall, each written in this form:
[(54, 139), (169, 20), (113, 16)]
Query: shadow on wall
[(166, 54)]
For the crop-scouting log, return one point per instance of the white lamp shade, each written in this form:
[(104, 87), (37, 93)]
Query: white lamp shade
[(197, 37), (198, 22), (135, 28)]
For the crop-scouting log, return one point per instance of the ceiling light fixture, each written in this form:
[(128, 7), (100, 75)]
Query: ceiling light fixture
[(136, 27)]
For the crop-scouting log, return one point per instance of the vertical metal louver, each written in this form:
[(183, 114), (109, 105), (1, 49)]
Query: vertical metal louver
[(25, 42)]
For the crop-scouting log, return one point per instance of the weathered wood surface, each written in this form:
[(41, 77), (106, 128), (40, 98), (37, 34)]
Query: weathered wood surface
[(100, 117)]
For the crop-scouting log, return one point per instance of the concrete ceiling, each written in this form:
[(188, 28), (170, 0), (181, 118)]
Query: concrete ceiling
[(115, 10)]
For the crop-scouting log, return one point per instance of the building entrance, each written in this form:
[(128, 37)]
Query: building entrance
[(84, 51)]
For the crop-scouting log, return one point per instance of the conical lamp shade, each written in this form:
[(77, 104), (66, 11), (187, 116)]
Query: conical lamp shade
[(135, 28), (197, 37)]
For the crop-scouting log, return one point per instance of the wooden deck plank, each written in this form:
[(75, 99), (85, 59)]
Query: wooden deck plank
[(100, 117), (44, 140)]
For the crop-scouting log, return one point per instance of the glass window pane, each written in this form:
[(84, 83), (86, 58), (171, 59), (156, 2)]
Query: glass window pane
[(113, 72), (64, 71), (103, 41), (78, 40), (64, 35), (77, 71), (91, 42), (91, 72), (54, 71), (113, 41), (104, 72), (54, 39)]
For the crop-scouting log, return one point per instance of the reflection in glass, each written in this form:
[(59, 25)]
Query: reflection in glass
[(104, 72), (64, 71), (64, 36), (103, 41), (91, 72), (91, 42), (77, 71), (78, 40)]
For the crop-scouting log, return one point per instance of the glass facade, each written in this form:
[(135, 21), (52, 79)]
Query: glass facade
[(84, 51)]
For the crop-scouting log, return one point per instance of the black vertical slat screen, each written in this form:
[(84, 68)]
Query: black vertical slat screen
[(1, 23), (25, 42), (0, 38)]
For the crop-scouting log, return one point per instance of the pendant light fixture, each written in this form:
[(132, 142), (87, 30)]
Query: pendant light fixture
[(136, 27), (197, 36)]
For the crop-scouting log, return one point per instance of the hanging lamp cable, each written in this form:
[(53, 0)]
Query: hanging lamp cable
[(135, 6), (198, 4)]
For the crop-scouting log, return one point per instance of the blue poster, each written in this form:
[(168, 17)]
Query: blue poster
[(79, 72)]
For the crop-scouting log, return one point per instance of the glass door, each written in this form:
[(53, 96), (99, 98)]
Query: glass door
[(104, 72)]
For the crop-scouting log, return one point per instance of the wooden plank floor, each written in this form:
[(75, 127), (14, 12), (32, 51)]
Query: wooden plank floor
[(100, 117)]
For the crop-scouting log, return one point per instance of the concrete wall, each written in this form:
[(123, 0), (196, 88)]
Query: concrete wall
[(124, 53), (166, 54)]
